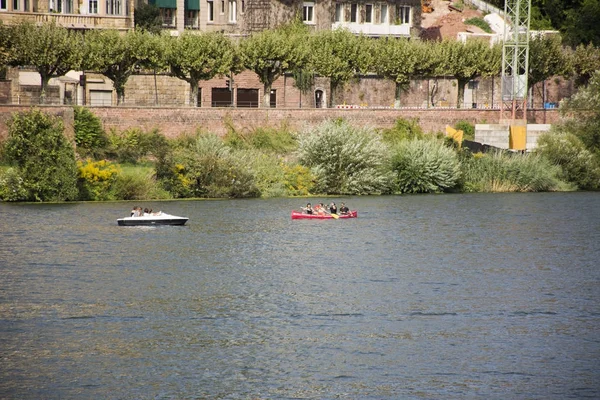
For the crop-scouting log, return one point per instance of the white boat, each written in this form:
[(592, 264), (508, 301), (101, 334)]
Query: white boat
[(159, 218)]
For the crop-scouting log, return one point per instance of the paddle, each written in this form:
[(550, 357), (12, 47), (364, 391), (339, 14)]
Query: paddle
[(335, 216)]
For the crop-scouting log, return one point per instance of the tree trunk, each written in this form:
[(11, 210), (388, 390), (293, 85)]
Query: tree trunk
[(44, 86), (193, 92), (461, 92), (267, 95), (397, 95)]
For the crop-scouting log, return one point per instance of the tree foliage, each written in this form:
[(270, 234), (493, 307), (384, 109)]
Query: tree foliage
[(270, 53), (466, 61), (45, 159), (401, 60), (147, 17), (547, 59), (117, 55), (585, 60), (197, 57), (340, 56), (52, 50), (583, 115)]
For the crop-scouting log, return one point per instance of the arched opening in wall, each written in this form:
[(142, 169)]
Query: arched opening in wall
[(319, 98)]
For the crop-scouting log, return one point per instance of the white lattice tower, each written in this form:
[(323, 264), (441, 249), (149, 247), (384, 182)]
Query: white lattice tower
[(515, 60)]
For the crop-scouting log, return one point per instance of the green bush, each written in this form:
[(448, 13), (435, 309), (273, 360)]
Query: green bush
[(134, 145), (508, 172), (206, 168), (138, 183), (280, 141), (345, 159), (12, 186), (404, 129), (90, 137), (95, 180), (467, 128), (298, 180), (578, 164), (43, 156), (424, 166), (267, 171)]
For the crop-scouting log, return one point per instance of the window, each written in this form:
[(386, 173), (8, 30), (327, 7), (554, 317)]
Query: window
[(339, 13), (191, 19), (168, 16), (368, 13), (93, 6), (243, 10), (308, 16), (211, 10), (3, 4), (113, 7), (15, 5), (353, 12), (222, 6), (384, 14), (232, 10), (402, 15)]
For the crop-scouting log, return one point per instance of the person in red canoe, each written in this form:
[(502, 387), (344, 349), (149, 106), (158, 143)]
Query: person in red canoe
[(344, 210), (308, 209), (333, 208)]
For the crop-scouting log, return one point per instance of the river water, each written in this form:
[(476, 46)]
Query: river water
[(490, 296)]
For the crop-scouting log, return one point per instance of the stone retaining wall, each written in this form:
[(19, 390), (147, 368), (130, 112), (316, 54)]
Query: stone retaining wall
[(173, 122)]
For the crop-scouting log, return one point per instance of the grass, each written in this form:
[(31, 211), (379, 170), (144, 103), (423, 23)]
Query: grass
[(480, 23)]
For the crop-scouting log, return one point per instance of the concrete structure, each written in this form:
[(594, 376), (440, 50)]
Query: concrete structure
[(498, 135)]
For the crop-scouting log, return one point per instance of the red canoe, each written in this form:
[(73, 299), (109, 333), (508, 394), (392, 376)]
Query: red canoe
[(301, 215)]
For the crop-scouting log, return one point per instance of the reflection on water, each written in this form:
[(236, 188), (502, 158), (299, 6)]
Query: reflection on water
[(454, 296)]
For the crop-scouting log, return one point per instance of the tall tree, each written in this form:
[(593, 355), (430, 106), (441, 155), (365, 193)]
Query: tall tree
[(52, 50), (197, 57), (581, 24), (585, 61), (400, 61), (147, 17), (340, 56), (271, 53), (117, 55), (466, 61), (546, 59)]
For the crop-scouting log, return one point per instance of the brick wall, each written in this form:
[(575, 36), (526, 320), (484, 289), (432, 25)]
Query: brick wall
[(176, 121), (173, 122), (65, 113)]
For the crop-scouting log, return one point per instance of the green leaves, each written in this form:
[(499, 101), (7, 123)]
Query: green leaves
[(196, 57), (346, 159), (51, 49), (43, 156), (270, 53), (340, 56)]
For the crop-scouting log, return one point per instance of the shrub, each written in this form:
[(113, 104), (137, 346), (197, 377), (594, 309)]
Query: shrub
[(95, 179), (424, 166), (298, 180), (90, 138), (507, 172), (206, 169), (12, 187), (577, 163), (43, 156), (467, 128), (134, 145), (138, 183), (279, 141), (266, 169), (403, 129), (344, 159)]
